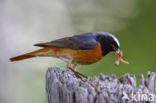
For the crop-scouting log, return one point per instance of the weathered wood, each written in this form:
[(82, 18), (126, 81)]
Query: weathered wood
[(63, 87)]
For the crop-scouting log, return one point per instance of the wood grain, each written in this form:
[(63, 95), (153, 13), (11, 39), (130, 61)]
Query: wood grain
[(63, 87)]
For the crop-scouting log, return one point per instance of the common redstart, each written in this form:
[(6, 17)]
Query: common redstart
[(80, 49)]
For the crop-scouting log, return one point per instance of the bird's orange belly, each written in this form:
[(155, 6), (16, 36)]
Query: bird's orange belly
[(81, 56), (86, 57)]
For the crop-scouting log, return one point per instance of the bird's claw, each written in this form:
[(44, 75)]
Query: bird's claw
[(77, 74)]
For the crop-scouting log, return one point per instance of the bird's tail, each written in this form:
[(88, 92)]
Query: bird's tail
[(21, 57), (40, 52)]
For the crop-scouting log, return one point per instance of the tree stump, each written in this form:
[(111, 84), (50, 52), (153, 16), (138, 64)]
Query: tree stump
[(62, 86)]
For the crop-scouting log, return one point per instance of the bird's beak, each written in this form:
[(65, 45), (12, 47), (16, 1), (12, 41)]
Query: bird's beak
[(117, 50)]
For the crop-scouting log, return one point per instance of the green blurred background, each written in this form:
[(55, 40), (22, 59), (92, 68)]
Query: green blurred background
[(26, 22)]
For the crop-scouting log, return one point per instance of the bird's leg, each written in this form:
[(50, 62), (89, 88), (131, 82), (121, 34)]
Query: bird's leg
[(69, 63), (77, 74), (73, 69), (69, 67)]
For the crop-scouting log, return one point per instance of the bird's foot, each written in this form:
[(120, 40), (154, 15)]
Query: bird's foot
[(77, 74)]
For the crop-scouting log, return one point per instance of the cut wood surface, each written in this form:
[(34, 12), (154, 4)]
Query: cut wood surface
[(63, 87)]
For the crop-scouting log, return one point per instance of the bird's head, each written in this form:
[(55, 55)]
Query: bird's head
[(108, 42)]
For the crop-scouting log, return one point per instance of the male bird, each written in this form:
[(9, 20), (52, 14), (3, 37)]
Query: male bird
[(81, 49)]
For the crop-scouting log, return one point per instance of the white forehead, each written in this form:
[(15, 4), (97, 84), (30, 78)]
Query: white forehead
[(111, 35), (115, 39)]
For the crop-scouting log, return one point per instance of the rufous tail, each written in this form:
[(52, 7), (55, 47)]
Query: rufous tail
[(29, 55), (21, 57)]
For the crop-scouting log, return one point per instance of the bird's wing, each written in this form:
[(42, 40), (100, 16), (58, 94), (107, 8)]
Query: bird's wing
[(78, 42)]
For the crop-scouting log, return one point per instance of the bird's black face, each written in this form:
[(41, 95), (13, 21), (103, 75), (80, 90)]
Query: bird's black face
[(108, 42)]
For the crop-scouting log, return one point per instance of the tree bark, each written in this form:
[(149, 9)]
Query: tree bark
[(63, 87)]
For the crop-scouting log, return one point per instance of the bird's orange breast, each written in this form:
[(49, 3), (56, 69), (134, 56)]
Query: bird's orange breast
[(79, 56), (88, 56)]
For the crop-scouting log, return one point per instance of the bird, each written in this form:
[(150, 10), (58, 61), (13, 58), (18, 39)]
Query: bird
[(79, 49)]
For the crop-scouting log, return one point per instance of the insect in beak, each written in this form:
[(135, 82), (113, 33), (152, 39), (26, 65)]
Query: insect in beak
[(118, 55), (119, 59)]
